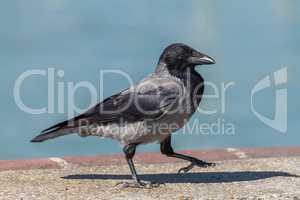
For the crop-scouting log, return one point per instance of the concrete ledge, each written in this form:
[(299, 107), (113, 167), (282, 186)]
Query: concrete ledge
[(239, 179), (142, 158), (27, 164)]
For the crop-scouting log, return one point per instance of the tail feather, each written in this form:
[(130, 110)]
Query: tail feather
[(58, 126), (50, 135), (55, 131), (64, 128)]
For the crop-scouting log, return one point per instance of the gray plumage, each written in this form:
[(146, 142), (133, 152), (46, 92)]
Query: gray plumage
[(165, 97), (149, 111)]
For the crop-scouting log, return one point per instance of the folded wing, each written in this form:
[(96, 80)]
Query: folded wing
[(150, 99)]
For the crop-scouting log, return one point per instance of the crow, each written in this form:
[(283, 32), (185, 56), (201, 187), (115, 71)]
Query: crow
[(149, 111)]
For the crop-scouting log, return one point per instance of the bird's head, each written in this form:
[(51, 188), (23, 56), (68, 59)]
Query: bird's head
[(180, 56)]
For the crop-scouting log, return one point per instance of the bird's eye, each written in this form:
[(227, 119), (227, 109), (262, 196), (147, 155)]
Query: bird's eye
[(194, 53)]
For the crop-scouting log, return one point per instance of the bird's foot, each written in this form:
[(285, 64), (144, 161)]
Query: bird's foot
[(198, 163), (138, 184)]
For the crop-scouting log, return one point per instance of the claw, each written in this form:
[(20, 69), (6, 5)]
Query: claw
[(138, 184), (186, 169), (211, 164), (198, 163)]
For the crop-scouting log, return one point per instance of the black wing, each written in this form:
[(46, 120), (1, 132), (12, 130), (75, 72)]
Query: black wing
[(149, 100)]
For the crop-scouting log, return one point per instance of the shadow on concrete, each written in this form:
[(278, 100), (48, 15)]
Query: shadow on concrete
[(200, 177)]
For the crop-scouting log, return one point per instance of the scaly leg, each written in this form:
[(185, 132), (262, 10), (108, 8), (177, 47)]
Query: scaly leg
[(166, 148), (129, 151)]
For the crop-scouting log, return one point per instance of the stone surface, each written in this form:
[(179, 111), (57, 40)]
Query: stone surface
[(259, 178), (27, 164), (210, 155)]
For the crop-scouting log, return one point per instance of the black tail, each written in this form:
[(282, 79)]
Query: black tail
[(55, 131), (50, 135)]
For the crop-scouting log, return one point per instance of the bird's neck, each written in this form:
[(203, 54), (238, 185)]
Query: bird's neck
[(165, 70), (162, 68), (190, 78)]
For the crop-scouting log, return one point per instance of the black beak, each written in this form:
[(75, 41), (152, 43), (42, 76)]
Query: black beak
[(201, 60)]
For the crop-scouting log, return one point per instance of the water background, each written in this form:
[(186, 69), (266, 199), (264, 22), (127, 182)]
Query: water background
[(248, 39)]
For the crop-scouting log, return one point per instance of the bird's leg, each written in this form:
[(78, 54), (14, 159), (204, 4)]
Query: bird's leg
[(129, 151), (167, 149)]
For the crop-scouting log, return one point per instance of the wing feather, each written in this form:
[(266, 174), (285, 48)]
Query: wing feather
[(150, 99)]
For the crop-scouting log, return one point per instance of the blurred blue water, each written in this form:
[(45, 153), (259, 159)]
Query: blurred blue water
[(249, 40)]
